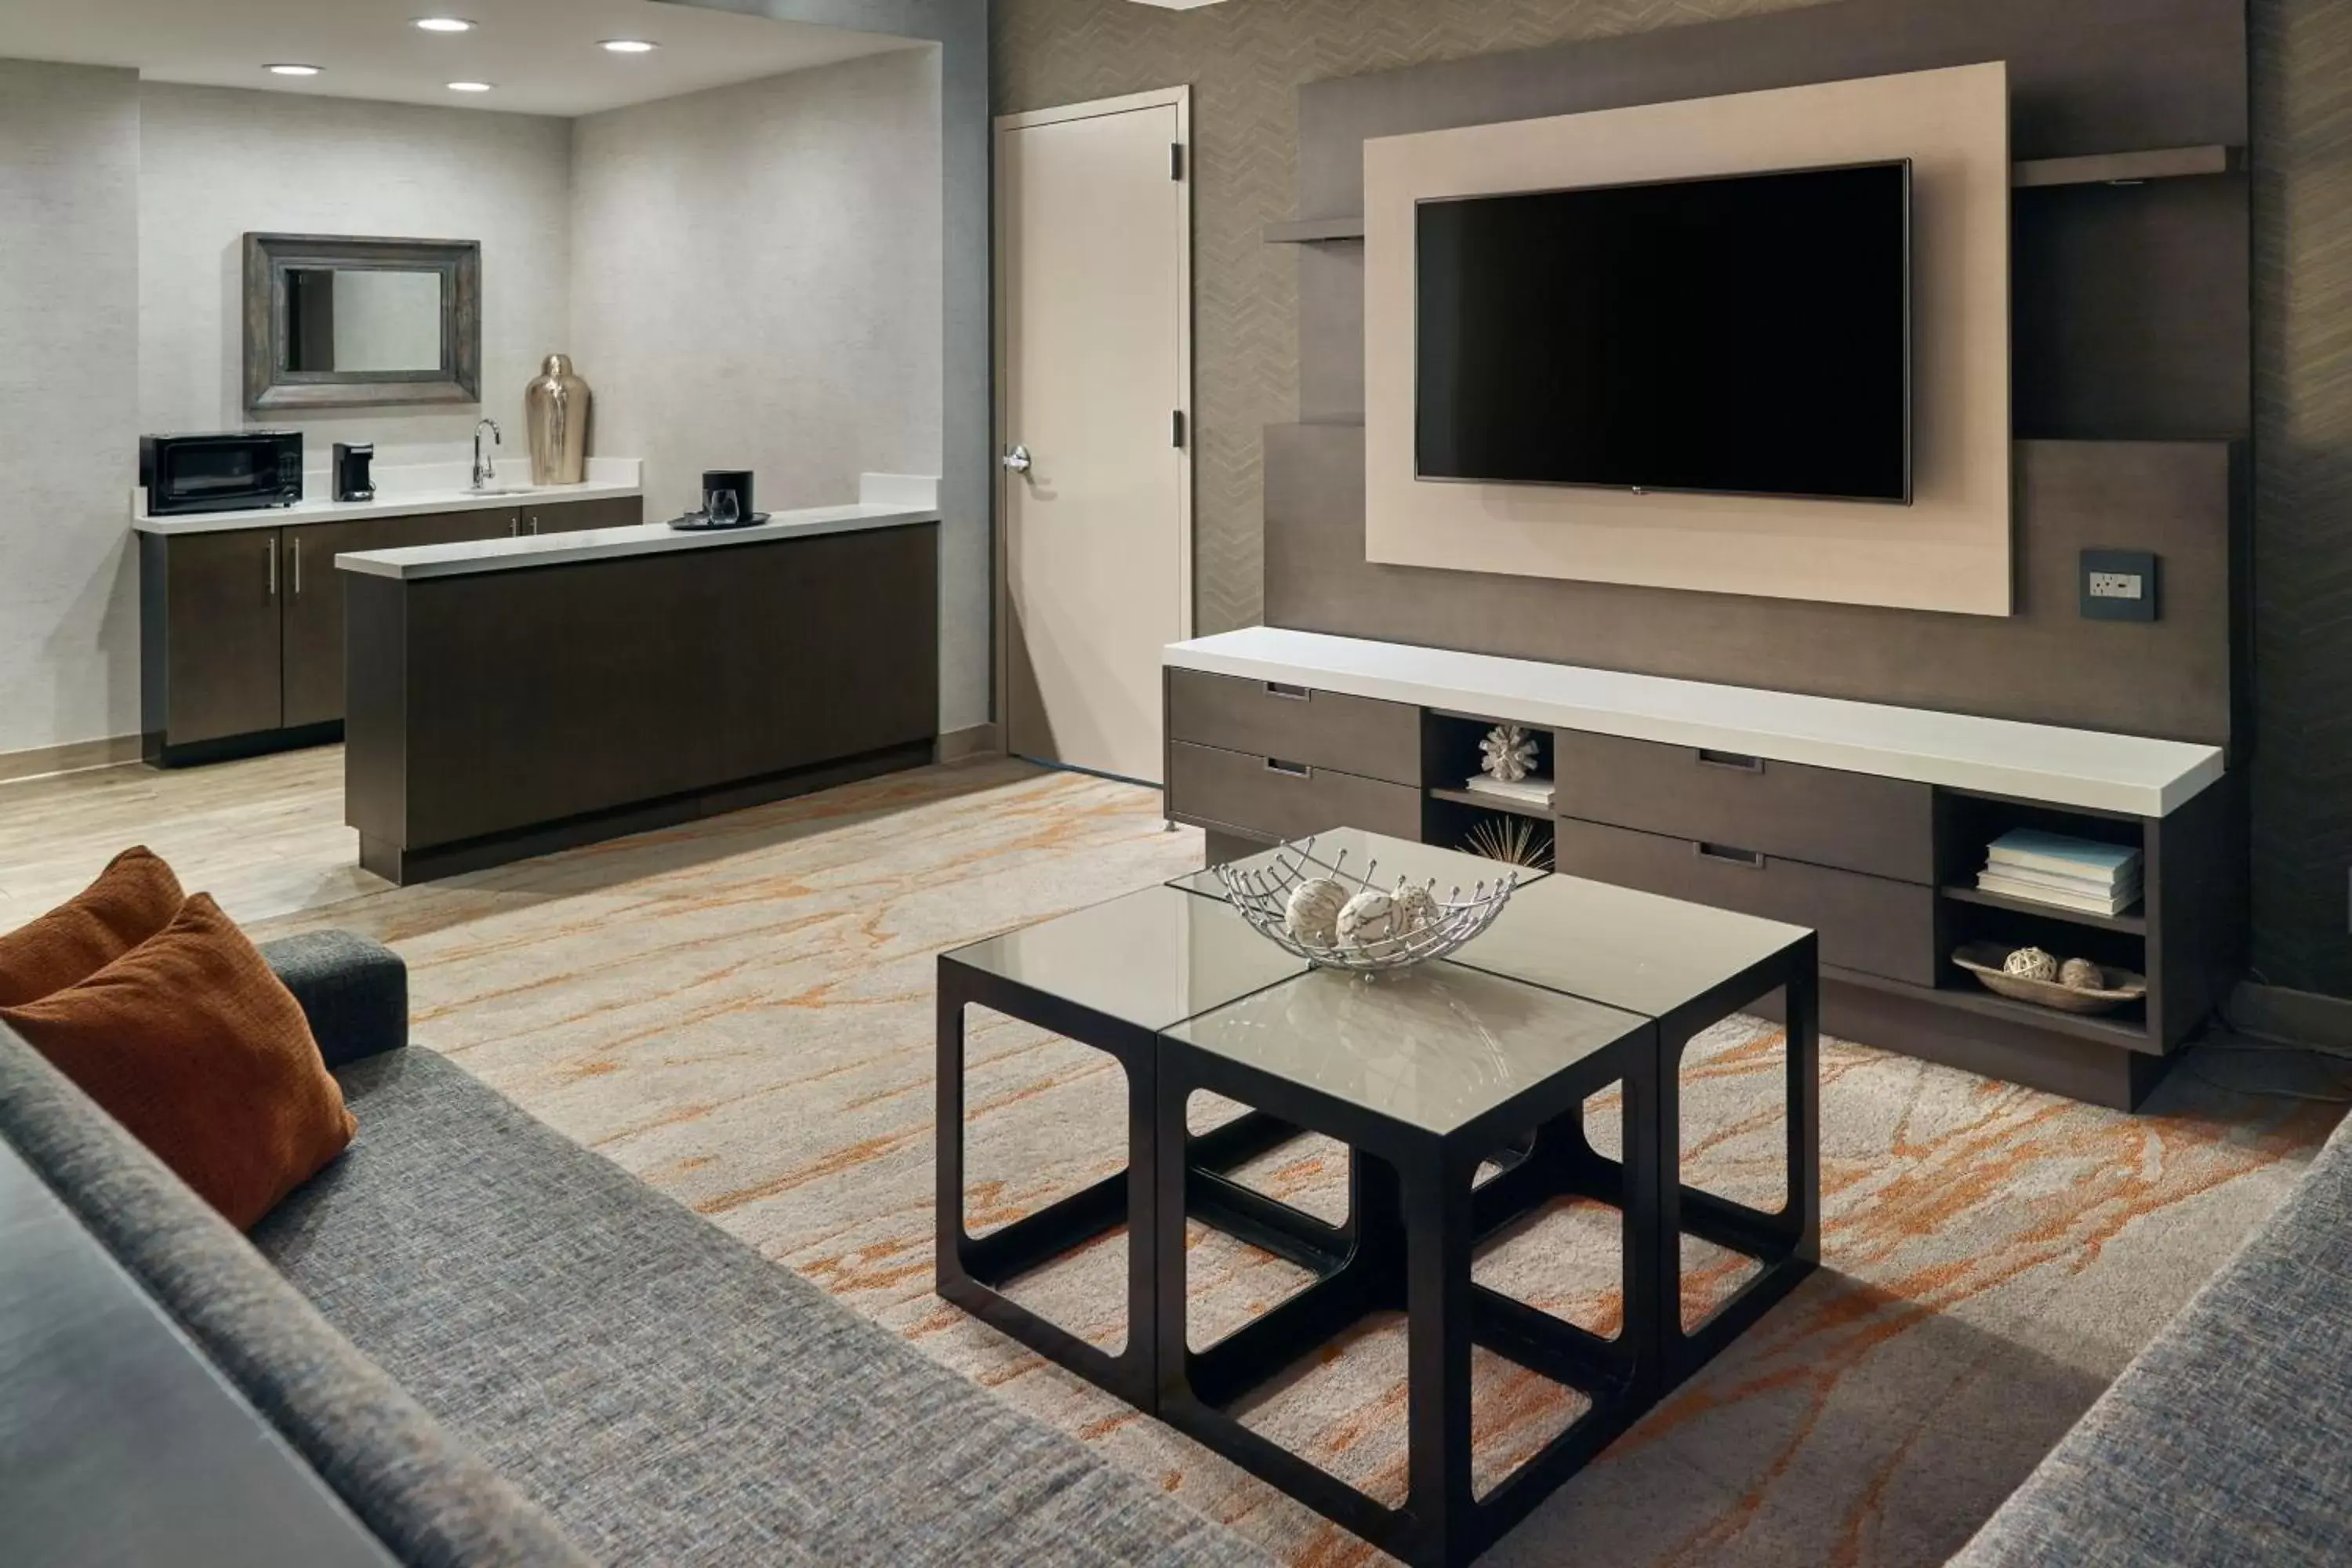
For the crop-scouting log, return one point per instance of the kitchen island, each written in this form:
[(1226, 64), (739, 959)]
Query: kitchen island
[(509, 696)]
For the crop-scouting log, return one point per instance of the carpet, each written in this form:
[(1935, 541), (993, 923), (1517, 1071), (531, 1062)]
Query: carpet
[(739, 1012)]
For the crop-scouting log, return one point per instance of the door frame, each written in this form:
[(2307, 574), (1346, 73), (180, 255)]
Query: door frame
[(1180, 99)]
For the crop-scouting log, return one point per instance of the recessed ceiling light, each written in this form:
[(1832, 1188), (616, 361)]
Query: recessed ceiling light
[(628, 45), (469, 87), (445, 23), (292, 70)]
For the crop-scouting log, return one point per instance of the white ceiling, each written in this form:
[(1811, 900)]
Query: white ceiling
[(541, 54)]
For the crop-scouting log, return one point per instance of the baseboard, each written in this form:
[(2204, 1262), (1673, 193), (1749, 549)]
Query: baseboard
[(2304, 1017), (72, 757), (979, 741)]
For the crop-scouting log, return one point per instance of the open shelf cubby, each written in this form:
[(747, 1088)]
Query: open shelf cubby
[(1450, 812), (1966, 825)]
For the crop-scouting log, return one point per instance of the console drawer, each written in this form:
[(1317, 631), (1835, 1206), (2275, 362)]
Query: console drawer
[(1358, 735), (1868, 923), (1858, 822), (1282, 798)]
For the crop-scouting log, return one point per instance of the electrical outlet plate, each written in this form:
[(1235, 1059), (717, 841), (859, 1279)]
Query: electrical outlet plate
[(2118, 586)]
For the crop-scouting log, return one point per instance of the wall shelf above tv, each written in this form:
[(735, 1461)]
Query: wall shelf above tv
[(2128, 168)]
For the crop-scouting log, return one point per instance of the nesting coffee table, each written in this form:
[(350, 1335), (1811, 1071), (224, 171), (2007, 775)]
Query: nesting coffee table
[(1487, 1057)]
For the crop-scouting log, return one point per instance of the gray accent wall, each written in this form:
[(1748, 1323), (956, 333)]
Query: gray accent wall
[(2302, 486), (68, 401), (215, 162), (968, 463), (741, 298)]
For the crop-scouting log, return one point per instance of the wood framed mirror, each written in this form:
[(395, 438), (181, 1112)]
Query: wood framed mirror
[(334, 322)]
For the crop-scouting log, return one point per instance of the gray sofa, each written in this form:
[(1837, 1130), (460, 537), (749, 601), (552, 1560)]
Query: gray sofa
[(2228, 1440), (497, 1347)]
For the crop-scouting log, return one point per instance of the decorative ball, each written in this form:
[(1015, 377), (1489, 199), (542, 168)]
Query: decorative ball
[(1507, 754), (1312, 913), (2030, 963), (1416, 907), (1368, 920), (2081, 974)]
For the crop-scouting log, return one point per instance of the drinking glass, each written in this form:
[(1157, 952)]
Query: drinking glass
[(724, 507)]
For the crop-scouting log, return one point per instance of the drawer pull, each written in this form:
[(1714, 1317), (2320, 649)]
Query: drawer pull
[(1286, 692), (1288, 770), (1724, 854), (1734, 761)]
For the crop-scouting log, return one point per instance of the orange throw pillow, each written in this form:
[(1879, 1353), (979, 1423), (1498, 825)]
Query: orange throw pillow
[(135, 897), (204, 1055)]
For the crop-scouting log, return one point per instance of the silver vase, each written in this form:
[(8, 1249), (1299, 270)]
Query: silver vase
[(555, 407)]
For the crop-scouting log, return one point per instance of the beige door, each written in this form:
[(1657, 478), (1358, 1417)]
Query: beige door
[(1094, 351)]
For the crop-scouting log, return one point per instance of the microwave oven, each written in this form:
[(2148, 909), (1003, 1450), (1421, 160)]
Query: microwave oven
[(229, 471)]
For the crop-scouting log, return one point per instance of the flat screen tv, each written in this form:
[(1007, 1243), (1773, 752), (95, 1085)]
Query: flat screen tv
[(1748, 335)]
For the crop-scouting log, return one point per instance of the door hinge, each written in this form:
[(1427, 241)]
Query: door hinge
[(1180, 429), (1175, 160)]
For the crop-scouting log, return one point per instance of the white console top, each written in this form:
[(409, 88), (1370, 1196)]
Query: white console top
[(2082, 768)]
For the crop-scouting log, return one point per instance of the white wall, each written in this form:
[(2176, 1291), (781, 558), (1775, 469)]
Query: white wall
[(756, 284), (68, 399), (217, 161)]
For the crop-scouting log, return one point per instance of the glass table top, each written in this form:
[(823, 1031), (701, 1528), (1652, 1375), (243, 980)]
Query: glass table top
[(1633, 949), (1434, 1046), (1379, 856), (1149, 959)]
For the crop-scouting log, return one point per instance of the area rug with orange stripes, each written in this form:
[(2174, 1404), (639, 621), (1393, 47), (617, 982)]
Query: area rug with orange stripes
[(740, 1012)]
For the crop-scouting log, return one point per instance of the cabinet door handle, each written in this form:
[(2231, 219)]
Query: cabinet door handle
[(1735, 762), (272, 543), (514, 527), (1288, 770), (1289, 693), (296, 545), (1725, 854), (534, 524)]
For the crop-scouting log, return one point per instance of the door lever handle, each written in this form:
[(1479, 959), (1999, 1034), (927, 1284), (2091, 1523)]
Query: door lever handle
[(1017, 459)]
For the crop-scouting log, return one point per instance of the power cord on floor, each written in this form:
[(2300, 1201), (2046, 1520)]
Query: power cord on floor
[(2225, 1036)]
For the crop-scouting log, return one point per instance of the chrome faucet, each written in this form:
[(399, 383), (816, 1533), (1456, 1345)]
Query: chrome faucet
[(485, 471)]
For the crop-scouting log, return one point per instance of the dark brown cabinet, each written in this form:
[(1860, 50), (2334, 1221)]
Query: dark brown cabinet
[(311, 629), (209, 624), (242, 630)]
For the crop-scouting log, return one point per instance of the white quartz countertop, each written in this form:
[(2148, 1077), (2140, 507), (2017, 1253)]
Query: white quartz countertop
[(885, 501), (412, 491), (2082, 768)]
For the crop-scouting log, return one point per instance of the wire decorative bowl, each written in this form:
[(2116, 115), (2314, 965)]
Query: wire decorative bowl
[(1263, 897)]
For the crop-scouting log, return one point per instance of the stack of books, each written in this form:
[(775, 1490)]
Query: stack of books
[(2067, 873), (1534, 790)]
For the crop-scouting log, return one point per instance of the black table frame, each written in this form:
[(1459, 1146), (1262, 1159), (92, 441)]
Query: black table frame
[(1414, 1222)]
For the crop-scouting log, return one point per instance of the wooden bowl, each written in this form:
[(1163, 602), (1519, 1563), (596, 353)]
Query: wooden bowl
[(1984, 959)]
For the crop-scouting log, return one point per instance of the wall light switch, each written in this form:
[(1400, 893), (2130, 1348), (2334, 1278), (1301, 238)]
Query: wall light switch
[(2118, 586)]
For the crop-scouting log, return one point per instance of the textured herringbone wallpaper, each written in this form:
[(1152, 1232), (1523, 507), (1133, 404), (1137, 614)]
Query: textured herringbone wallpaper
[(2303, 482), (1245, 59)]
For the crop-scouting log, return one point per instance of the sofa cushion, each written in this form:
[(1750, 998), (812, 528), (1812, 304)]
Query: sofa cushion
[(2229, 1439), (669, 1394), (426, 1496), (192, 1044), (133, 898)]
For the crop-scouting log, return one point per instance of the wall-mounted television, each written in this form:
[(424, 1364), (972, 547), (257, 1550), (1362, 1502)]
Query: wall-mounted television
[(1748, 334)]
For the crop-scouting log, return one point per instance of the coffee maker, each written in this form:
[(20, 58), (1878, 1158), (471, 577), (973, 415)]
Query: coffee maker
[(350, 478), (738, 480)]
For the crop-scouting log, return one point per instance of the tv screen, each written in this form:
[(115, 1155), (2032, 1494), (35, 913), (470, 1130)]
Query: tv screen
[(1748, 334)]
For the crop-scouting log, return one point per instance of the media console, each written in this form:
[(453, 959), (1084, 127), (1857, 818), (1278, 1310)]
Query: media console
[(1865, 822)]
